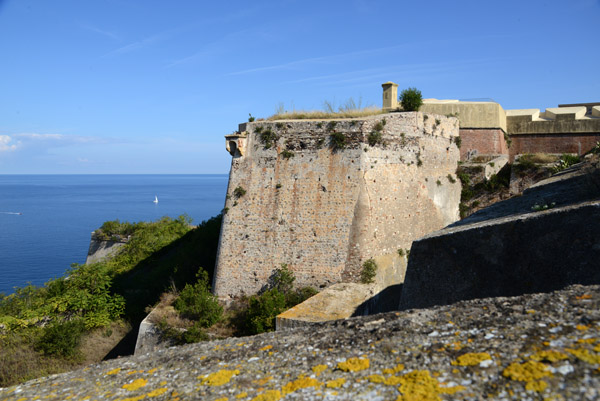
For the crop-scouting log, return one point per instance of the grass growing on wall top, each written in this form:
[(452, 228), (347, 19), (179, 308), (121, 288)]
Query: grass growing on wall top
[(325, 115)]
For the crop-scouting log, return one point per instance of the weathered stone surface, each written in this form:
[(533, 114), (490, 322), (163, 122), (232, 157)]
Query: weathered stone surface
[(537, 346), (339, 301), (542, 241), (324, 211)]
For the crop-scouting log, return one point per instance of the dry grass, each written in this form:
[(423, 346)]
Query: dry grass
[(539, 158), (326, 115), (164, 312), (96, 344)]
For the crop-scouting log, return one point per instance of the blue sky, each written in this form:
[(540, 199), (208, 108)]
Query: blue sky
[(145, 86)]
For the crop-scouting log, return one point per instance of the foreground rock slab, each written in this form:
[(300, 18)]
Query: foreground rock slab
[(536, 346)]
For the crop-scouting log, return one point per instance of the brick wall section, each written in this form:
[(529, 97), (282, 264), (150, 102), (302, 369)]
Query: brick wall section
[(486, 141), (578, 143), (324, 211)]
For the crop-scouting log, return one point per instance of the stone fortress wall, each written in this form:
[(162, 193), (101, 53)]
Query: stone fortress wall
[(489, 130), (294, 198)]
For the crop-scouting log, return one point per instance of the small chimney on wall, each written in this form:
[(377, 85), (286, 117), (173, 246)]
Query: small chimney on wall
[(390, 96)]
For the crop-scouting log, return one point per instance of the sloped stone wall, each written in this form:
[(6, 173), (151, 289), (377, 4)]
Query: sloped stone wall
[(294, 198)]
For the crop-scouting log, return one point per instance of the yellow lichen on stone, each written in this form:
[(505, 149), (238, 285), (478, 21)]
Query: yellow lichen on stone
[(549, 355), (392, 381), (222, 399), (157, 392), (152, 370), (354, 364), (270, 395), (219, 378), (526, 372), (582, 327), (241, 395), (266, 347), (471, 359), (302, 382), (536, 385), (114, 371), (138, 398), (530, 311), (376, 378), (317, 370), (134, 372), (398, 368), (336, 383), (585, 355), (134, 385), (419, 385)]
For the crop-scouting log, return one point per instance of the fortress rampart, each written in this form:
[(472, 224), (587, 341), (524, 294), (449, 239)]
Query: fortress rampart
[(487, 129), (295, 197)]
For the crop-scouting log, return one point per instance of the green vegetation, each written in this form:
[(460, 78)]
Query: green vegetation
[(267, 137), (374, 138), (238, 192), (368, 272), (115, 230), (42, 327), (287, 154), (196, 302), (338, 140), (451, 179), (61, 339), (280, 296), (496, 183), (419, 161), (411, 99), (250, 118), (349, 109), (458, 141), (565, 161), (401, 252)]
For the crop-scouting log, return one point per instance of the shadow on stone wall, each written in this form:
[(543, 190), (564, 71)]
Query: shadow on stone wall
[(385, 301)]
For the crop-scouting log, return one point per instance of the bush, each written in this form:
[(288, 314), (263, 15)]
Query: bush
[(263, 309), (239, 192), (283, 279), (338, 140), (197, 303), (411, 99), (374, 138), (369, 270), (61, 338), (287, 154)]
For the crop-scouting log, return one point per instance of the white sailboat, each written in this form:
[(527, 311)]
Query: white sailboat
[(155, 199)]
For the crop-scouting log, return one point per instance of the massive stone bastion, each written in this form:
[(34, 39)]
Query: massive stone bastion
[(323, 196)]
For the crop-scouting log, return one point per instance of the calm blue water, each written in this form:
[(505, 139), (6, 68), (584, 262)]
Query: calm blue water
[(46, 220)]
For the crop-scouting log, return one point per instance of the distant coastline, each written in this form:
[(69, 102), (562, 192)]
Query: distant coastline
[(59, 212)]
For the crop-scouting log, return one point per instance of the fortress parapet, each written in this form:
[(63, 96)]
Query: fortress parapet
[(486, 129), (324, 196)]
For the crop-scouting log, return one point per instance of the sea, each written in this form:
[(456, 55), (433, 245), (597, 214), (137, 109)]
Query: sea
[(46, 220)]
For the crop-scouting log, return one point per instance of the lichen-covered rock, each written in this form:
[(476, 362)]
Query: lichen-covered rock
[(536, 346)]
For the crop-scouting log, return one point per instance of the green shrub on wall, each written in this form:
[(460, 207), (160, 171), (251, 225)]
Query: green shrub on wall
[(369, 270), (411, 99)]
